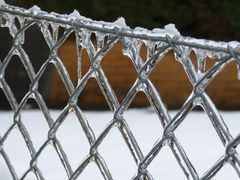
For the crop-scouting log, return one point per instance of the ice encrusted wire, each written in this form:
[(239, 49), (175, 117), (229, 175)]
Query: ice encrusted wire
[(158, 43)]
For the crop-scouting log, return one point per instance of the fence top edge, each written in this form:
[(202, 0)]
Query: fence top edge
[(115, 28)]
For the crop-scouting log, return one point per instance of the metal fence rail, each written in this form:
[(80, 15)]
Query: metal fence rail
[(158, 44)]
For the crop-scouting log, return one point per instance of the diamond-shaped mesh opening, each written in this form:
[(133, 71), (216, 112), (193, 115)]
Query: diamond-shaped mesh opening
[(210, 62), (36, 127), (5, 47), (17, 22), (6, 121), (98, 120), (226, 81), (143, 51), (57, 92), (137, 119), (163, 164), (5, 173), (34, 41), (46, 85), (91, 172), (94, 39), (119, 70), (5, 105), (117, 154), (17, 151), (192, 134), (85, 62), (17, 78), (232, 122), (68, 56), (227, 172), (75, 150), (49, 161), (92, 97), (31, 176), (175, 88)]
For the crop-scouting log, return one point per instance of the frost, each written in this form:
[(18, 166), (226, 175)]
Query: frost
[(76, 15), (168, 29)]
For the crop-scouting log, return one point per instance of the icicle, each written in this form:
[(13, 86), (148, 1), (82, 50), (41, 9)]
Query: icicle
[(201, 60), (100, 40), (55, 30), (22, 34), (238, 70), (79, 58), (150, 48), (9, 23)]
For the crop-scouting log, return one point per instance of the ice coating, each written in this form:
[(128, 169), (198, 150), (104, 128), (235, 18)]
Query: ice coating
[(76, 15), (121, 22), (131, 43), (171, 28), (168, 29), (235, 45), (35, 9)]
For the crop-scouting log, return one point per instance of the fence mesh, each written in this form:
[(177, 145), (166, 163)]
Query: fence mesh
[(158, 43)]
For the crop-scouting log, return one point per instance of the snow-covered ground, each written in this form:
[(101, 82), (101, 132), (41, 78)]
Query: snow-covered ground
[(196, 135)]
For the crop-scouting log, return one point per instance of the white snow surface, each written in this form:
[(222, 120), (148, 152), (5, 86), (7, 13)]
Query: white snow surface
[(196, 135)]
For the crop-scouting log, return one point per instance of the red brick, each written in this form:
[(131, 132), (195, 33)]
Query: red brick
[(168, 77)]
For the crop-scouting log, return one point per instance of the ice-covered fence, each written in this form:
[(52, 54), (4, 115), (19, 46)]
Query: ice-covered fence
[(158, 43)]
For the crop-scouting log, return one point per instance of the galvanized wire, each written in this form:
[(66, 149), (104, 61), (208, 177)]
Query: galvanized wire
[(158, 44)]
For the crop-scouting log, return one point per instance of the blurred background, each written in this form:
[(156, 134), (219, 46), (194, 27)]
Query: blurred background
[(216, 20)]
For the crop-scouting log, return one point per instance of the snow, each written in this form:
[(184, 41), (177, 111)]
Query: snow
[(2, 2), (196, 135), (168, 29), (35, 10), (76, 15), (235, 45), (121, 22)]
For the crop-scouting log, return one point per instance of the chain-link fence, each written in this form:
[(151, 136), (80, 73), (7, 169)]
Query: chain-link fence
[(56, 29)]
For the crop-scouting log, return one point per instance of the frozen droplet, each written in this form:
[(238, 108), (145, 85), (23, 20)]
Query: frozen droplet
[(79, 58)]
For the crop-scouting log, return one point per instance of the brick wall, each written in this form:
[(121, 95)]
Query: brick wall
[(168, 77)]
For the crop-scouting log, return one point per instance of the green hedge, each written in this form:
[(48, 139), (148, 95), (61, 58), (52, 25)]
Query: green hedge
[(215, 19)]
